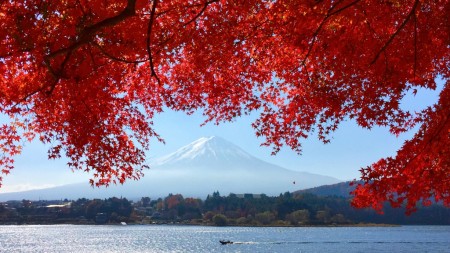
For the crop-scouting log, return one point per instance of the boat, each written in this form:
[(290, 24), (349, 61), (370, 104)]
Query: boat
[(123, 223), (225, 242)]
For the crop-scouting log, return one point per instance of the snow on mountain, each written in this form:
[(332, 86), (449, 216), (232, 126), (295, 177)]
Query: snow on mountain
[(216, 156), (196, 170), (206, 151)]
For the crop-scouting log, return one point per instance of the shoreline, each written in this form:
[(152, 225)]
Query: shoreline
[(211, 225)]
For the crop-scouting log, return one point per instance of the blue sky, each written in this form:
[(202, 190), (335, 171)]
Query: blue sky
[(350, 149)]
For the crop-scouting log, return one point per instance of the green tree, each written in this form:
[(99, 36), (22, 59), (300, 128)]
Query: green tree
[(298, 217), (322, 216), (220, 220), (145, 201), (338, 218), (265, 218)]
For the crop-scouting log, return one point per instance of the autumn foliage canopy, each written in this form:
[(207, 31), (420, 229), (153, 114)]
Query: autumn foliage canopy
[(87, 77)]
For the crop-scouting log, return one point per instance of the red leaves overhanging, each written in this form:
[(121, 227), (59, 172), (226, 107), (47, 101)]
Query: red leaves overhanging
[(88, 77)]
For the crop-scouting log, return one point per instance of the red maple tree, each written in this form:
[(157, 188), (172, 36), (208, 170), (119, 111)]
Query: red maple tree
[(88, 77)]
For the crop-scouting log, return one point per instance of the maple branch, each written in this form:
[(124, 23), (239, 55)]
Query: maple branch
[(81, 7), (9, 54), (317, 31), (94, 66), (207, 3), (27, 96), (85, 36), (115, 57), (56, 75), (429, 142), (161, 13), (369, 25), (402, 25), (149, 41), (415, 45), (329, 14), (164, 12), (59, 73), (88, 33)]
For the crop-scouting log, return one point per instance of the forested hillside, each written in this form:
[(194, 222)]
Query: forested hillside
[(288, 209)]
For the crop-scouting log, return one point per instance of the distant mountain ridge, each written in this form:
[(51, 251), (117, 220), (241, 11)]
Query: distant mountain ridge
[(342, 189), (200, 168)]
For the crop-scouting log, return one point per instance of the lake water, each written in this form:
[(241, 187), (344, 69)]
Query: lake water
[(157, 238)]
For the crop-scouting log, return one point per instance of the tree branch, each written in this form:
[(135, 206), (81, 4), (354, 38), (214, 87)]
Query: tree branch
[(88, 33), (149, 41), (207, 3), (329, 14), (108, 55), (59, 73), (85, 37), (402, 25), (415, 45), (56, 75)]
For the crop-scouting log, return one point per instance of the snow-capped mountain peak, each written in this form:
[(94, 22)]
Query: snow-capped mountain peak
[(206, 150)]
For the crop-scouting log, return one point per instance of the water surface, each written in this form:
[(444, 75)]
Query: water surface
[(151, 238)]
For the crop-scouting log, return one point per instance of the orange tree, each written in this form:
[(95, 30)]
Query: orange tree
[(87, 77)]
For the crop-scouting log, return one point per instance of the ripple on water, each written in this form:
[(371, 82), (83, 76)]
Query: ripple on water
[(70, 238)]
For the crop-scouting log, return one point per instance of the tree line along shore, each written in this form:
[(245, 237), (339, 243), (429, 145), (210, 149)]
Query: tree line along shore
[(288, 209)]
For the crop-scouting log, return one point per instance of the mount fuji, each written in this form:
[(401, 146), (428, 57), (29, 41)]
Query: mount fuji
[(200, 168), (212, 152)]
